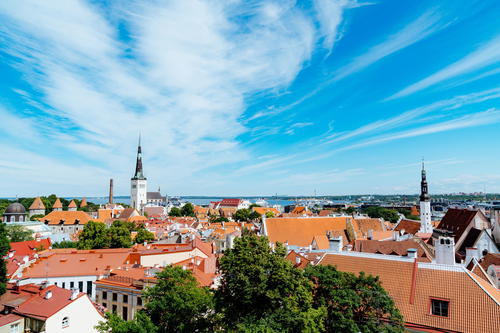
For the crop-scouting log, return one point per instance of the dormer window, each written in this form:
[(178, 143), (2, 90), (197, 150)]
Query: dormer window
[(65, 322), (439, 307)]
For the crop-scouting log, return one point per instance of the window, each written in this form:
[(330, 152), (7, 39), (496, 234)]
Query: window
[(125, 298), (114, 308), (115, 297), (125, 313), (89, 288), (439, 307), (15, 328), (104, 295), (64, 285), (72, 284), (80, 286), (105, 305), (139, 301), (65, 322)]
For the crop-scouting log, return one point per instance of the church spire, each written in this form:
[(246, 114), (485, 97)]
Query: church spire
[(424, 190), (139, 174)]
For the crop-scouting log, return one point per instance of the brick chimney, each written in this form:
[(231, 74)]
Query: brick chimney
[(445, 250)]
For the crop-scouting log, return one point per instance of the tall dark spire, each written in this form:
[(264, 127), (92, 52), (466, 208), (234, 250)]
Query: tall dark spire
[(424, 190), (139, 174)]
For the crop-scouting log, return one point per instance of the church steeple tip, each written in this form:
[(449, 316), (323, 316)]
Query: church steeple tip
[(424, 189), (139, 173)]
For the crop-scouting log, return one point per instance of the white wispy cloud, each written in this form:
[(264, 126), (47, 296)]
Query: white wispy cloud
[(485, 55), (180, 76)]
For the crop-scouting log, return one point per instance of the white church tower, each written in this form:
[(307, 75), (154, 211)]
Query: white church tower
[(138, 183), (425, 205)]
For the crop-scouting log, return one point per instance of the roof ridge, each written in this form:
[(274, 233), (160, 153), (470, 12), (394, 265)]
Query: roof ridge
[(481, 286)]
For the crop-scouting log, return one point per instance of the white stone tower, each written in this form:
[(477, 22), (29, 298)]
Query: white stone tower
[(425, 205), (138, 183), (445, 250)]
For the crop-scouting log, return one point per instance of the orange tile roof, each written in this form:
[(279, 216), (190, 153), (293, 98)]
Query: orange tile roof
[(57, 204), (409, 226), (302, 261), (83, 203), (137, 218), (322, 242), (366, 224), (399, 248), (474, 304), (37, 204), (71, 262), (301, 231), (68, 217), (72, 204), (264, 210)]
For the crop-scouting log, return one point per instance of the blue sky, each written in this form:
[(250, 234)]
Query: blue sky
[(249, 97)]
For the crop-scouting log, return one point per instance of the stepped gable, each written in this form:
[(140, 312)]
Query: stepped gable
[(37, 204)]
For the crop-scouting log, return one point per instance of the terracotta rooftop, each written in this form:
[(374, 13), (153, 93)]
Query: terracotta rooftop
[(30, 300), (321, 242), (57, 204), (72, 262), (264, 210), (399, 248), (456, 221), (83, 203), (67, 217), (37, 204), (72, 204), (301, 231), (474, 305), (408, 226)]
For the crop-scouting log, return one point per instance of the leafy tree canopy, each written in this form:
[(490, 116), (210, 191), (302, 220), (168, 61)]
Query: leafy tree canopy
[(390, 215), (17, 233), (144, 236), (354, 303), (174, 211), (65, 245), (114, 324), (94, 236), (4, 249), (119, 236), (245, 214), (187, 210), (259, 288), (177, 304)]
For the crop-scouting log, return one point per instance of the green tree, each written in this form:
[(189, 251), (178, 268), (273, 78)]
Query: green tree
[(130, 226), (381, 212), (269, 214), (177, 304), (354, 303), (242, 215), (4, 249), (17, 233), (94, 236), (253, 216), (36, 217), (174, 211), (119, 237), (260, 291), (187, 210), (114, 324), (65, 245), (144, 236), (218, 219)]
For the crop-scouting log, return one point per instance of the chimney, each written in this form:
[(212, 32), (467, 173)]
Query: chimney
[(471, 252), (111, 191), (297, 260), (348, 247), (395, 235), (411, 253), (74, 294), (445, 251), (48, 295), (335, 243), (370, 234)]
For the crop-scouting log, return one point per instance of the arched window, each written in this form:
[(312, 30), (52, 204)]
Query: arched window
[(12, 218), (65, 322), (21, 218)]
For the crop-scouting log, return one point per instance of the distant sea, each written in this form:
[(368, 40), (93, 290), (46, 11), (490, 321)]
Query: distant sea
[(195, 200)]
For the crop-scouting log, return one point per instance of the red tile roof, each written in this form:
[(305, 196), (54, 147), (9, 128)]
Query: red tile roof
[(72, 204), (408, 226), (399, 248), (67, 217), (456, 221), (37, 204), (30, 300), (57, 204), (474, 304), (9, 318)]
